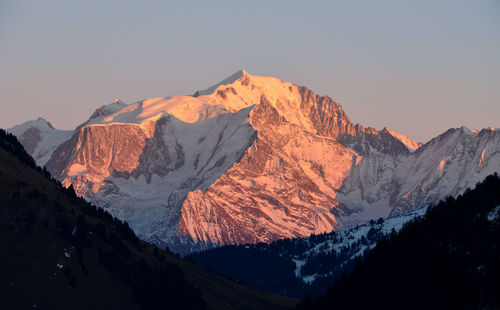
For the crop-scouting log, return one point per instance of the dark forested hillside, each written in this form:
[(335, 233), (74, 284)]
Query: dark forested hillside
[(297, 267), (273, 267), (448, 259), (59, 252)]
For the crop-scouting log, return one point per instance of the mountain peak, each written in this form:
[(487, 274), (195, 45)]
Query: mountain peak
[(43, 122), (491, 128), (229, 80), (118, 101), (410, 144), (39, 123), (469, 130), (39, 138), (41, 119)]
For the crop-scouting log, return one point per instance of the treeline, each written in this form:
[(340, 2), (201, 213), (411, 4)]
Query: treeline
[(9, 143), (448, 259), (273, 266)]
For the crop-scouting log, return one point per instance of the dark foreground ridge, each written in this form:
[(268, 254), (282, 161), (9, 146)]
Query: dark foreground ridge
[(448, 259), (59, 252)]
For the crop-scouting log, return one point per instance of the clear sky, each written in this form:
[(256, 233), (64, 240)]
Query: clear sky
[(418, 67)]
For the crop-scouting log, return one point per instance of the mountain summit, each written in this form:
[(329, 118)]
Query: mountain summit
[(230, 80), (254, 159)]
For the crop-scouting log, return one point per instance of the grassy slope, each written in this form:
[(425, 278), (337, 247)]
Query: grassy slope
[(29, 252)]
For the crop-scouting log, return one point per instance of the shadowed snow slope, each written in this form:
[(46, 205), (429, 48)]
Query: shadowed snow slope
[(252, 159), (39, 138)]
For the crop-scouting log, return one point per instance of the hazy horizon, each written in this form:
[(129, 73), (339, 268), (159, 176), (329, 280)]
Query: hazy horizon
[(417, 68)]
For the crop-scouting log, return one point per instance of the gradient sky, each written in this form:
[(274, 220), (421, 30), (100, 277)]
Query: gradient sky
[(418, 67)]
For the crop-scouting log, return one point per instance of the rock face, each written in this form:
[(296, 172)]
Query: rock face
[(252, 159)]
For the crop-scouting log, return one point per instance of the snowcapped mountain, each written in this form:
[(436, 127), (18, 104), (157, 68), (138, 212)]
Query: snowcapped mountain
[(446, 165), (251, 159), (39, 138), (449, 163)]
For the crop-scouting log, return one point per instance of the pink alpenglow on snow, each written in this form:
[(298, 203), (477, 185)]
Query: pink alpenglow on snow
[(251, 159)]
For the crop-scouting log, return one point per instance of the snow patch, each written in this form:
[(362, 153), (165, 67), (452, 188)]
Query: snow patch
[(77, 169), (469, 130), (443, 162), (494, 214), (298, 265), (309, 279), (481, 159), (357, 237)]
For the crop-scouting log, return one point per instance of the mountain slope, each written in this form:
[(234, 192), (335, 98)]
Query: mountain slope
[(447, 259), (39, 138), (297, 267), (446, 165), (449, 163), (59, 252), (255, 159)]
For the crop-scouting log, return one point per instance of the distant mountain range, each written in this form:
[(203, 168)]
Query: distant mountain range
[(251, 159)]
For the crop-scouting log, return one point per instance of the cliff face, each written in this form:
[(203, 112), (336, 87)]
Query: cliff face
[(255, 159), (286, 184), (283, 187)]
